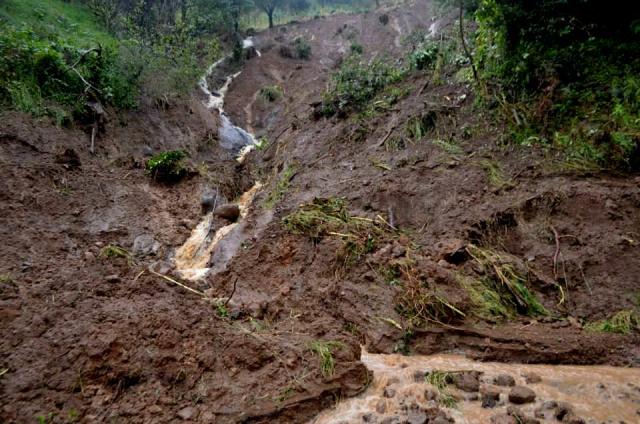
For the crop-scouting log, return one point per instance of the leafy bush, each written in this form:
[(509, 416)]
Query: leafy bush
[(424, 56), (271, 93), (37, 74), (357, 82), (357, 48), (167, 166), (303, 49)]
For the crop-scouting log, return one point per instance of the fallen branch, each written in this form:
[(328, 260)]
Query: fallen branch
[(232, 292), (171, 280)]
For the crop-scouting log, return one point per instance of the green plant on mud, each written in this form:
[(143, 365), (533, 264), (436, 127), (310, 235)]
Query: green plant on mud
[(356, 83), (503, 292), (440, 380), (418, 126), (324, 350), (495, 174), (271, 93), (282, 186), (448, 146), (330, 218), (622, 322), (167, 166), (302, 48), (113, 251)]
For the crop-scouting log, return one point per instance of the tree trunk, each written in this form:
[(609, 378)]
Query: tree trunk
[(464, 45), (270, 14)]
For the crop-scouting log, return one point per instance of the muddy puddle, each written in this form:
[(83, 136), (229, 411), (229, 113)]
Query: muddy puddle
[(479, 392)]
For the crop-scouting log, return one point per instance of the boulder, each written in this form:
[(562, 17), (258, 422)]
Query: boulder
[(504, 380), (467, 381), (521, 394), (229, 212)]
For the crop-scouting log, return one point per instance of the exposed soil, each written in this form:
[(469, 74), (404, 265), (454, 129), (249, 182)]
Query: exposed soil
[(98, 339)]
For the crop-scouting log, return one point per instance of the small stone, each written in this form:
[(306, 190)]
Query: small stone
[(89, 256), (430, 395), (186, 413), (504, 380), (112, 279), (467, 381), (147, 151), (398, 251), (503, 419), (521, 394), (389, 392), (418, 376), (562, 410), (531, 378), (369, 418), (417, 417), (154, 409), (381, 407), (229, 212), (144, 245), (490, 398), (549, 404)]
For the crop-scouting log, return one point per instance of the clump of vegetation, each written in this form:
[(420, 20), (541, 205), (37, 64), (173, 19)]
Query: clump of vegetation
[(440, 381), (112, 251), (271, 93), (424, 56), (356, 48), (324, 350), (622, 322), (495, 174), (418, 126), (330, 218), (503, 293), (302, 48), (167, 166), (282, 186), (356, 83)]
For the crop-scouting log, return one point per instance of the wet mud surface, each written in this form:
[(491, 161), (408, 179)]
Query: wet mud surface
[(98, 339)]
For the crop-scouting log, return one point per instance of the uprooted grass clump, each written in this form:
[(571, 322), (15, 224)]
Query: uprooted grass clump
[(503, 292), (421, 305), (440, 380), (330, 217), (167, 166), (622, 322), (282, 186), (271, 93), (324, 350)]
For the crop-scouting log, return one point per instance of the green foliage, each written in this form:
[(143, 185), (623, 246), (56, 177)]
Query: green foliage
[(357, 82), (167, 166), (282, 186), (324, 350), (302, 48), (440, 380), (622, 322), (356, 48), (424, 56), (271, 93)]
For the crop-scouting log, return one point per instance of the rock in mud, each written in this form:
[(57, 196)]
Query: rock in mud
[(467, 381), (490, 398), (503, 419), (112, 279), (417, 417), (521, 394), (187, 413), (391, 420), (389, 392), (69, 159), (381, 407), (504, 380), (563, 410), (531, 378), (229, 212), (145, 245)]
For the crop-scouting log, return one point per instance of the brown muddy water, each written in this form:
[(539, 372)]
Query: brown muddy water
[(399, 393)]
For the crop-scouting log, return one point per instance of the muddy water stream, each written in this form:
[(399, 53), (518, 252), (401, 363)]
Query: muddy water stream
[(205, 250), (597, 394)]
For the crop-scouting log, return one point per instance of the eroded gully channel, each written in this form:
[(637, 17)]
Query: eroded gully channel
[(427, 389)]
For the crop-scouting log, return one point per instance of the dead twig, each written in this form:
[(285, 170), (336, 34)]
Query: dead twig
[(171, 280), (232, 292), (557, 252)]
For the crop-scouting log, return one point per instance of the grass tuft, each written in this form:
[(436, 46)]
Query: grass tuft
[(324, 351), (440, 381), (495, 174), (282, 187), (622, 322)]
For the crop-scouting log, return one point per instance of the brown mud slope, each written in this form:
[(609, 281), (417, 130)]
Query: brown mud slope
[(92, 339)]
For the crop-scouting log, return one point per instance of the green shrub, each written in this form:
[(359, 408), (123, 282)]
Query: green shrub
[(356, 48), (167, 166), (303, 49), (271, 93), (424, 56), (357, 82)]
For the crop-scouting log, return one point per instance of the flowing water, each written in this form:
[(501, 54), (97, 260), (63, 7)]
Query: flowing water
[(598, 394), (206, 251)]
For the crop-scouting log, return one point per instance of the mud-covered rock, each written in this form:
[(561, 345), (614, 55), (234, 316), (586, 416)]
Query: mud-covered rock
[(417, 417), (467, 381), (521, 394), (186, 413), (562, 410), (503, 419), (504, 380), (389, 392), (531, 378), (145, 245), (229, 212), (490, 397)]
